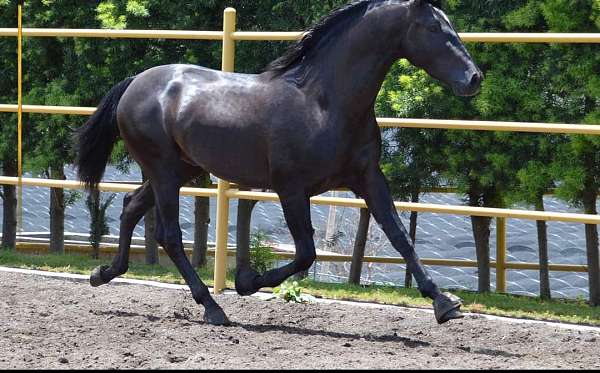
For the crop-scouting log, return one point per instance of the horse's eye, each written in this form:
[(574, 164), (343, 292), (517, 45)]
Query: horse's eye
[(435, 27)]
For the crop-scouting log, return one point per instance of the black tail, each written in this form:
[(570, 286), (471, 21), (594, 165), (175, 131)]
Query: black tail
[(95, 139)]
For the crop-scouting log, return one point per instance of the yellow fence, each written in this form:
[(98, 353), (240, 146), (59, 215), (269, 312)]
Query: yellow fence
[(224, 192)]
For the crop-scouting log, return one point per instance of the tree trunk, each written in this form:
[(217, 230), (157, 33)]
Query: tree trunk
[(481, 234), (57, 212), (244, 219), (360, 244), (542, 233), (593, 258), (201, 223), (96, 224), (413, 236), (151, 246), (9, 214)]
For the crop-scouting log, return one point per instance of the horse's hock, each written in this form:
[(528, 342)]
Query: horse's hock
[(132, 326)]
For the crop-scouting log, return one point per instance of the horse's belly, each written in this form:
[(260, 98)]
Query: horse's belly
[(233, 154)]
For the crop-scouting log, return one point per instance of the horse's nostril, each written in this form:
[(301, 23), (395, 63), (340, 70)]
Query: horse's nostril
[(476, 79)]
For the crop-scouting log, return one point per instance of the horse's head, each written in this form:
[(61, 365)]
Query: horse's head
[(432, 44)]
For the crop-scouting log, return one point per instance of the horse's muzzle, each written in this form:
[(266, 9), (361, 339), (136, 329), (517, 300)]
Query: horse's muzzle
[(470, 87)]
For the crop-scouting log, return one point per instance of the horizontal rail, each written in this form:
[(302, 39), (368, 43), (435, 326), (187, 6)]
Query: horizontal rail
[(266, 35), (345, 202), (473, 125), (542, 37), (334, 258), (115, 34), (467, 37), (105, 187), (285, 36), (431, 208), (41, 109)]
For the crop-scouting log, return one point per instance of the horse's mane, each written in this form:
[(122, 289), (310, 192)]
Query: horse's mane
[(346, 13), (316, 33)]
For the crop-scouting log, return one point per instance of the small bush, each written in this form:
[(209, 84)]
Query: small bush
[(289, 292), (262, 258), (98, 224)]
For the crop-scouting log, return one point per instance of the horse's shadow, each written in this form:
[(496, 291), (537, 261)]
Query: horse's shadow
[(119, 313), (262, 328), (266, 328)]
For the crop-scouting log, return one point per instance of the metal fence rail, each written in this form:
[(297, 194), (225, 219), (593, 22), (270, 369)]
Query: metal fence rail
[(472, 125), (474, 37), (224, 192)]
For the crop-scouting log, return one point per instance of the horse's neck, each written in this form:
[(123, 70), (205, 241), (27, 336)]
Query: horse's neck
[(348, 73)]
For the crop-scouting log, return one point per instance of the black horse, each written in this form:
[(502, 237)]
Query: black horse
[(304, 126)]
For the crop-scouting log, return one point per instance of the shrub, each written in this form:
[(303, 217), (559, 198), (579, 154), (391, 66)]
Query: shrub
[(289, 292), (262, 258)]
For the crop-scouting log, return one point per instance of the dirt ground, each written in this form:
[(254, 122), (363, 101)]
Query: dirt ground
[(56, 323)]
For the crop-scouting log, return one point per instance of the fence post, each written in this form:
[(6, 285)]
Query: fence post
[(228, 61), (501, 255), (20, 5)]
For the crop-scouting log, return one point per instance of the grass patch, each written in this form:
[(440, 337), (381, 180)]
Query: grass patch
[(570, 311), (83, 265)]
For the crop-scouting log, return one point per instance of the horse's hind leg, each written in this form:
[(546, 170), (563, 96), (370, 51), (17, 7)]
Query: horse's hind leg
[(296, 208), (135, 205), (166, 191)]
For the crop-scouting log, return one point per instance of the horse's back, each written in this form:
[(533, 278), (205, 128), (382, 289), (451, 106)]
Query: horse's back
[(211, 119)]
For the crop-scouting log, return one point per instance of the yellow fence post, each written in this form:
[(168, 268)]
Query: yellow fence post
[(501, 255), (20, 114), (229, 26)]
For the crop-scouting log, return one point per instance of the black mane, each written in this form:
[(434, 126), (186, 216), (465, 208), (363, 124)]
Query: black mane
[(297, 52), (316, 33)]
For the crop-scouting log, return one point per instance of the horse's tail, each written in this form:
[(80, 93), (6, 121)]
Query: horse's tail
[(97, 137)]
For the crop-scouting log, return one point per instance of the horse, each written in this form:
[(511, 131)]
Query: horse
[(303, 126)]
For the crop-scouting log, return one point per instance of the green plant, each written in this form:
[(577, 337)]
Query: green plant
[(98, 224), (262, 258), (289, 292)]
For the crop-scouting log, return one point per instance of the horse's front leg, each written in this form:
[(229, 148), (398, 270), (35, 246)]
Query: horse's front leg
[(296, 208), (374, 189)]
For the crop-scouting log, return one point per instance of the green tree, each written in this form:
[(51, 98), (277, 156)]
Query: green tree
[(8, 125)]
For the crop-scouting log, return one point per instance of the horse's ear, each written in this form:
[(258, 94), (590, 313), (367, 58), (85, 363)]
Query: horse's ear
[(435, 3)]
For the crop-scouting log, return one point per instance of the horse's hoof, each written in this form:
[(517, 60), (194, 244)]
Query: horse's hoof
[(245, 282), (216, 316), (447, 307), (96, 276)]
